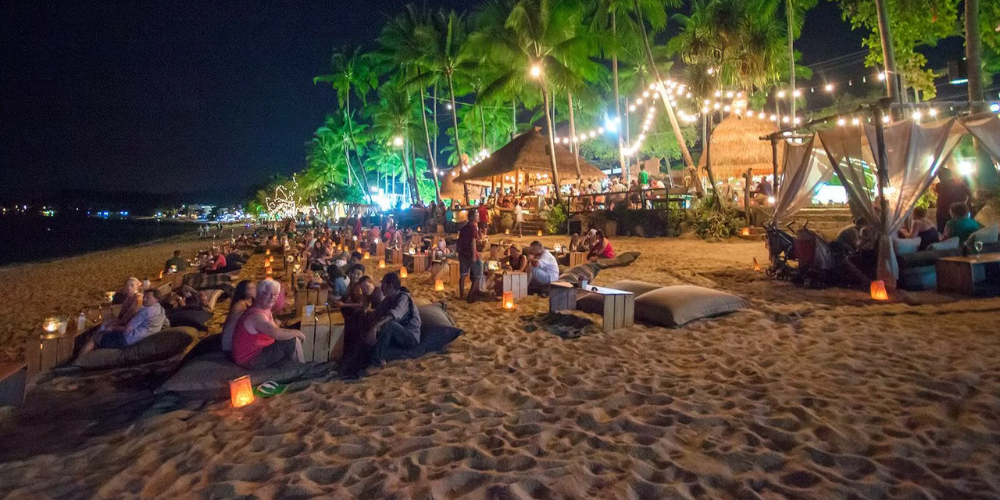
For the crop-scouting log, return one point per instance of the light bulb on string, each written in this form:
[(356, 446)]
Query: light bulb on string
[(829, 87), (781, 94)]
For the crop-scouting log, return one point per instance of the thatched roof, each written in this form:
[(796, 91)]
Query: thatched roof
[(736, 146), (528, 152)]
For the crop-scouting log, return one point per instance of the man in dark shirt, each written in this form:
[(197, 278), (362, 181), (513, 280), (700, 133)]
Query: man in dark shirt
[(468, 254), (949, 192), (180, 265), (397, 319)]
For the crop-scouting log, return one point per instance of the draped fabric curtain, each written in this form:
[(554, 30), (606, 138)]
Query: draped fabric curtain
[(806, 168), (915, 153), (985, 127)]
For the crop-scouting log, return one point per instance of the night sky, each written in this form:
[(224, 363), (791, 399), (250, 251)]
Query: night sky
[(184, 96)]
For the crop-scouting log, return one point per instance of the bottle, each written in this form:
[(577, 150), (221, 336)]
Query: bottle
[(81, 322)]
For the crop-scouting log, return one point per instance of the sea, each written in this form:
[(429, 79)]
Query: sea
[(31, 238)]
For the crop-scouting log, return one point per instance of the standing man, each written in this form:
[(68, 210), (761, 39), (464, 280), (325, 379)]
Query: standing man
[(468, 254), (949, 192), (518, 217), (484, 218), (544, 267)]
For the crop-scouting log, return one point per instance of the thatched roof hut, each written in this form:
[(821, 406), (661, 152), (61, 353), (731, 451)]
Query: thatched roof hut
[(529, 153), (736, 146)]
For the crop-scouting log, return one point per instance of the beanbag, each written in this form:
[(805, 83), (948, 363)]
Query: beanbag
[(594, 303), (988, 234), (158, 346), (213, 297), (207, 376), (677, 305), (193, 318), (437, 330), (623, 259), (575, 275), (949, 244), (906, 246)]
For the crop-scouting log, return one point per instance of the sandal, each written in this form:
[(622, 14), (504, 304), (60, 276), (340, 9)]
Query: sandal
[(268, 389)]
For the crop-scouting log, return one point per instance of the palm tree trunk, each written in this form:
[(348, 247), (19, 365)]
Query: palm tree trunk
[(552, 144), (663, 95), (618, 106), (791, 55), (354, 145), (572, 133), (454, 122), (513, 118), (707, 144), (986, 174), (482, 123), (888, 54), (436, 125), (430, 152)]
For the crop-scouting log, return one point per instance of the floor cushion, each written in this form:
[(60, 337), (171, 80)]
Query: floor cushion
[(988, 234), (906, 246), (583, 272), (159, 346), (194, 318), (594, 303), (207, 376), (677, 305), (949, 244), (213, 298)]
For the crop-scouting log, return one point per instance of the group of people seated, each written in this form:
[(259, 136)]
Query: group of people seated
[(140, 315), (595, 244)]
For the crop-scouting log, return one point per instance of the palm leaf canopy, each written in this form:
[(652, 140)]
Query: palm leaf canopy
[(528, 152)]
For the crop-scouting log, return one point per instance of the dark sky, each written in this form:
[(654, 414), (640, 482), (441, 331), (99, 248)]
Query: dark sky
[(183, 95)]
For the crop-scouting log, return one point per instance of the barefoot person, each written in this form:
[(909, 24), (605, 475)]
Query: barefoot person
[(258, 342), (147, 321), (397, 320)]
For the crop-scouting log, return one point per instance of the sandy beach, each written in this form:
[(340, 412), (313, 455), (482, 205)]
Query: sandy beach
[(806, 394)]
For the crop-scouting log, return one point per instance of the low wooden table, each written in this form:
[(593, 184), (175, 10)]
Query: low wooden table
[(324, 332), (979, 275), (619, 305), (421, 262), (516, 282)]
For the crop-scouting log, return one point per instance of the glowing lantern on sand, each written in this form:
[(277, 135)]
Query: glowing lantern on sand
[(366, 256), (508, 299), (438, 285), (756, 265), (241, 392), (506, 231), (381, 263), (402, 272), (267, 252), (878, 290), (745, 231), (271, 259), (539, 232)]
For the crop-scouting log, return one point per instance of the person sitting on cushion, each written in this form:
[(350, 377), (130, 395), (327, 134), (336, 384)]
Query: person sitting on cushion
[(921, 227), (258, 342), (130, 299), (516, 260), (147, 321), (544, 268), (178, 263), (338, 281), (397, 320), (601, 248), (243, 298), (217, 264), (960, 225)]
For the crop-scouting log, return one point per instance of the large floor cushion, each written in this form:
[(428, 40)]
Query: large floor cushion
[(987, 234), (594, 303), (437, 330), (159, 346), (193, 318), (207, 376), (677, 305), (583, 272)]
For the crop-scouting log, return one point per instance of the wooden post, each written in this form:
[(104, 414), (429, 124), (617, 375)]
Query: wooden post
[(746, 196), (882, 161)]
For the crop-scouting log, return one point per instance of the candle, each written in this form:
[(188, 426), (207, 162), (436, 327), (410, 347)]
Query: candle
[(508, 300), (438, 285), (241, 392), (381, 263), (402, 272)]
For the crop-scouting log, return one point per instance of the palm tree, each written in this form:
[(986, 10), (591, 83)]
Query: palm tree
[(393, 123), (351, 71), (444, 55)]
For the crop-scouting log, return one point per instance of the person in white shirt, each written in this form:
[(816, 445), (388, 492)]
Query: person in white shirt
[(544, 267), (518, 217)]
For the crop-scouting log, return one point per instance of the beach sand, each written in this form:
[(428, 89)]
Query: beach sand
[(806, 394)]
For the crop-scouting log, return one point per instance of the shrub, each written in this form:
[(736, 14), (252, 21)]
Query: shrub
[(556, 222)]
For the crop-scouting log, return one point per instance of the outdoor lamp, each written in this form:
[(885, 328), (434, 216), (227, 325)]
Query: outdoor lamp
[(536, 71)]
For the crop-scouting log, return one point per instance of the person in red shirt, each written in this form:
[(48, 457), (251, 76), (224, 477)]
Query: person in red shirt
[(218, 262), (601, 249), (484, 219), (949, 192), (258, 341), (468, 254)]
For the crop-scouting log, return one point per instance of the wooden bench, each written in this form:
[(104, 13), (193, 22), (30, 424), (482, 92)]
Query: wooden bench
[(619, 305), (310, 296), (13, 380)]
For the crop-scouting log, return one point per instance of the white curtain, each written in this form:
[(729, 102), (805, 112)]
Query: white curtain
[(915, 153), (806, 168), (985, 127)]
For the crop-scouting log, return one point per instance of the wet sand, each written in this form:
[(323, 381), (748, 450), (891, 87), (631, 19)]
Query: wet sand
[(806, 394)]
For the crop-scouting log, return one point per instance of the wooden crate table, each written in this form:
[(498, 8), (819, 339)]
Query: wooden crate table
[(577, 258), (13, 380), (324, 332), (619, 306), (421, 262), (396, 258), (512, 281), (49, 350), (379, 252), (310, 296), (979, 275)]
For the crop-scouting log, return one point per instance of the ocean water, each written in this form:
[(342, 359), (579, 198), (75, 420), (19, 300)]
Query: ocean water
[(36, 238)]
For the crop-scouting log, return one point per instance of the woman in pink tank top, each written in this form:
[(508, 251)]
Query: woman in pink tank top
[(258, 342)]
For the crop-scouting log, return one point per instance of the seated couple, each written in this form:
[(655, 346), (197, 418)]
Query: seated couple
[(375, 319), (119, 334)]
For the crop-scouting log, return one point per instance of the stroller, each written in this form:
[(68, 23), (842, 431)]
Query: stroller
[(781, 249), (815, 261)]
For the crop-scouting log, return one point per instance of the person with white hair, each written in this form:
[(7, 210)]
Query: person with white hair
[(130, 299), (544, 267), (258, 341)]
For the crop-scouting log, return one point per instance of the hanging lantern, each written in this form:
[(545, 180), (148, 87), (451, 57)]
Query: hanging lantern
[(403, 273), (756, 265), (878, 290), (240, 391), (381, 263), (267, 252), (438, 285), (508, 299)]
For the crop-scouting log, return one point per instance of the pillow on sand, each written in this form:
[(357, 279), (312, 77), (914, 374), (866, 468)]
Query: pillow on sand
[(158, 346), (432, 316), (194, 318), (677, 305), (622, 260), (576, 274), (949, 244), (213, 297), (594, 303), (985, 235), (207, 376), (906, 245)]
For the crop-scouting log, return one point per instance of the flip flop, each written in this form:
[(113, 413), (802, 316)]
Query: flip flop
[(268, 389)]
